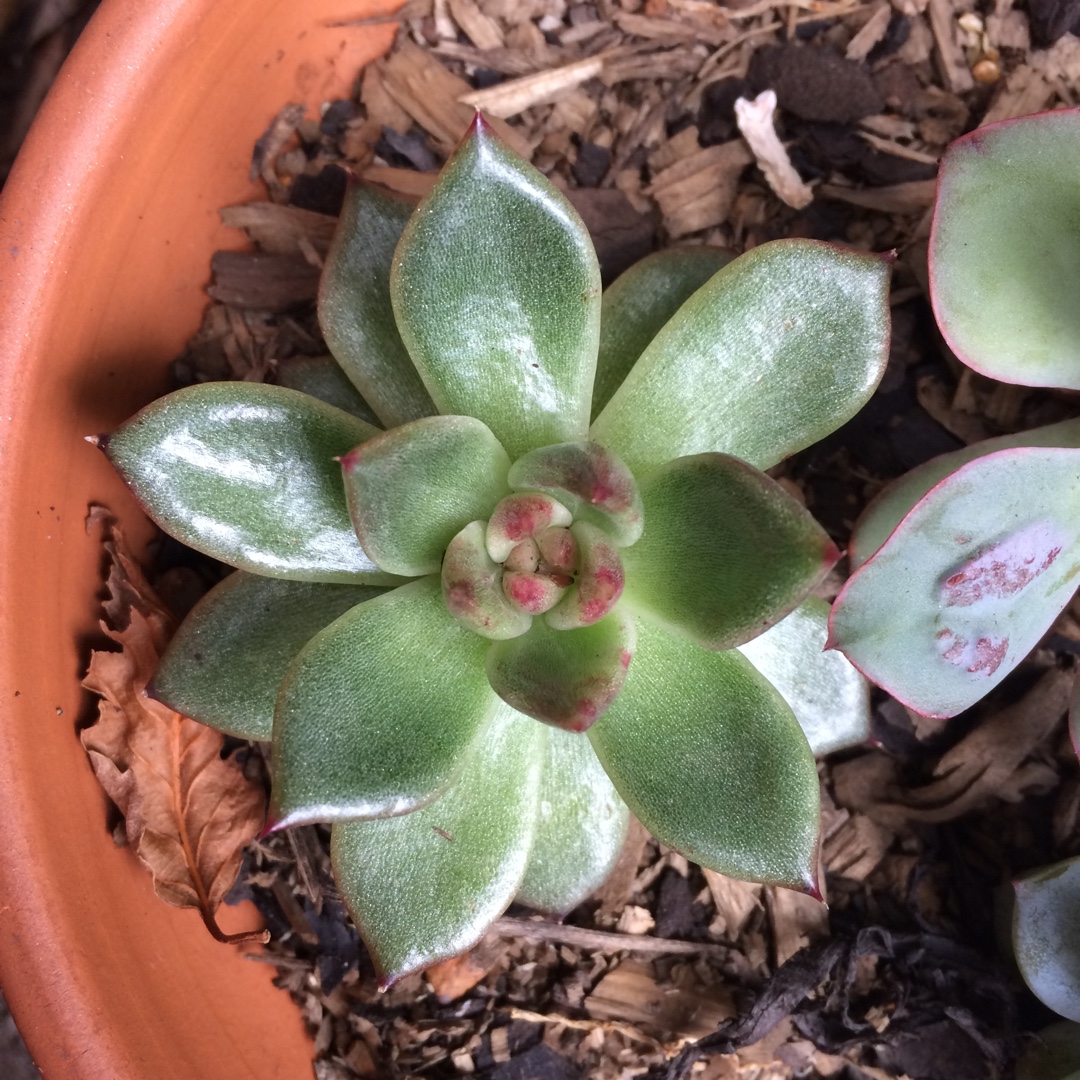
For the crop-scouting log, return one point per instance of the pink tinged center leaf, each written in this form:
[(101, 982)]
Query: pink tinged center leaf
[(534, 593), (473, 589), (983, 656), (1006, 568), (521, 517), (600, 581)]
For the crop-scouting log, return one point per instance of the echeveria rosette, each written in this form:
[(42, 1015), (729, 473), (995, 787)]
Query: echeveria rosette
[(598, 578), (965, 563)]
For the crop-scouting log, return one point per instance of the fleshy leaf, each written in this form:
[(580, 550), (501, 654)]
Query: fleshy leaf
[(726, 551), (1046, 935), (473, 590), (1004, 264), (1053, 1055), (637, 304), (564, 677), (600, 580), (968, 582), (246, 473), (890, 506), (411, 490), (224, 664), (380, 711), (590, 481), (322, 377), (580, 826), (829, 698), (522, 516), (709, 757), (355, 312), (777, 350), (502, 323), (426, 886)]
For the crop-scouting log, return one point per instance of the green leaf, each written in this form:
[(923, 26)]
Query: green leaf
[(829, 698), (563, 677), (246, 473), (1054, 1054), (322, 377), (890, 506), (637, 304), (355, 312), (726, 551), (496, 289), (969, 582), (426, 886), (580, 827), (710, 758), (590, 481), (224, 664), (1004, 261), (777, 350), (1046, 935), (411, 490), (380, 711)]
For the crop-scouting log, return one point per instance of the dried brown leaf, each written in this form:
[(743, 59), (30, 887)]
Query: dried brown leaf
[(188, 812)]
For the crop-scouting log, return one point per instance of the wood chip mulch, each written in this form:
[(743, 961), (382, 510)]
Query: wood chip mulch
[(671, 971)]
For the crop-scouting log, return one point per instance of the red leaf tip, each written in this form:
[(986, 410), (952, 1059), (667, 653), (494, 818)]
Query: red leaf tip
[(480, 127), (273, 825)]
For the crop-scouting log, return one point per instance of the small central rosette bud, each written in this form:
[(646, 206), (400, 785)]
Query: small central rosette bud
[(547, 559)]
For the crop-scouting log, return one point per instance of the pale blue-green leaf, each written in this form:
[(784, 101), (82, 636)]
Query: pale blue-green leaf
[(968, 582), (322, 377), (1054, 1054), (1046, 935), (355, 312), (637, 304), (426, 886), (726, 551), (412, 489), (496, 289), (887, 510), (777, 350), (380, 711), (224, 664), (1004, 257), (710, 758), (564, 677), (581, 823), (245, 473), (829, 698)]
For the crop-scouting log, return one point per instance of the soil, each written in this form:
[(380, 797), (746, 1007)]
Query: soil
[(670, 971)]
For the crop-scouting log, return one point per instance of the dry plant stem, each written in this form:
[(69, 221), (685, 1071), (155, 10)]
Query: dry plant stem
[(244, 937), (604, 941), (628, 1030)]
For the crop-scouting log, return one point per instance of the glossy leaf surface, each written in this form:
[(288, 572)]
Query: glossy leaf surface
[(564, 677), (356, 733), (496, 289), (426, 886), (1004, 261), (246, 473), (888, 509), (581, 823), (355, 312), (590, 481), (411, 490), (637, 304), (709, 757), (777, 350), (726, 551), (224, 663), (969, 581), (829, 698), (322, 377), (1046, 935)]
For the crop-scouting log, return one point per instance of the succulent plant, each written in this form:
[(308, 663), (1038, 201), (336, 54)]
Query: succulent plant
[(410, 601), (963, 564)]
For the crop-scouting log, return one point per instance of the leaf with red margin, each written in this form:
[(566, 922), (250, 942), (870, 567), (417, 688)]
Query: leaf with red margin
[(968, 582)]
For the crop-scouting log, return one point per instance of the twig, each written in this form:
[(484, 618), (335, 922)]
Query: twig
[(603, 940)]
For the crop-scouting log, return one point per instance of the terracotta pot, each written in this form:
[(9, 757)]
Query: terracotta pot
[(107, 226)]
